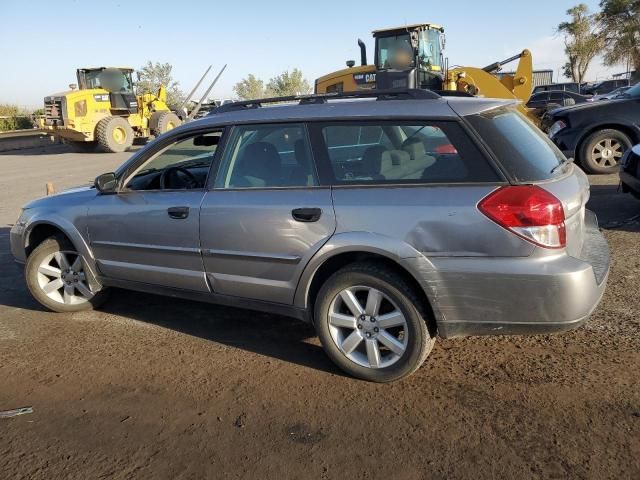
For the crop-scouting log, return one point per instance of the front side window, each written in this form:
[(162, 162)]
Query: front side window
[(267, 156), (414, 152), (183, 165), (429, 48)]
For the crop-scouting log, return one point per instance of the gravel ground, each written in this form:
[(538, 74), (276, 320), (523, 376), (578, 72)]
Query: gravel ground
[(153, 387)]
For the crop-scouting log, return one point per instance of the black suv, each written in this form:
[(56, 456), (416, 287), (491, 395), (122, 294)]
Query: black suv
[(605, 86), (597, 134), (563, 87)]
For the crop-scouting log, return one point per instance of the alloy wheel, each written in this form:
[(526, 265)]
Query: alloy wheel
[(607, 152), (62, 278), (368, 327)]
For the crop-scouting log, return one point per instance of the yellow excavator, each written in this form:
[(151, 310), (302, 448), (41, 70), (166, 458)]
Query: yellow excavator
[(411, 56), (102, 111)]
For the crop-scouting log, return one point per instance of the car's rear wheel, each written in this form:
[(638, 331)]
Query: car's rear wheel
[(372, 323), (57, 278), (602, 150)]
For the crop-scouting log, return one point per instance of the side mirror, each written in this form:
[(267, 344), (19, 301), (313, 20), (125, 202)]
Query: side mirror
[(106, 183)]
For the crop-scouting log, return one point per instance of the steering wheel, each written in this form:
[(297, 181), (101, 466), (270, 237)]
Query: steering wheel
[(191, 182)]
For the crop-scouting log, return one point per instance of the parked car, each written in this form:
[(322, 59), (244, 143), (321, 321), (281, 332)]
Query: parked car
[(384, 223), (543, 101), (573, 87), (613, 94), (597, 134), (630, 172), (606, 86)]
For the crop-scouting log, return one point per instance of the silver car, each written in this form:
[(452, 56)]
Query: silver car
[(386, 221)]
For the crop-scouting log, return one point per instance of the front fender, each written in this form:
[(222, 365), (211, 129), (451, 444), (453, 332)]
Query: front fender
[(68, 229), (407, 257)]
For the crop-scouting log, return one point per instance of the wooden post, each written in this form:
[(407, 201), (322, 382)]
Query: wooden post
[(50, 189)]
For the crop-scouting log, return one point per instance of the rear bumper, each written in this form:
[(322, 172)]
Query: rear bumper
[(512, 296)]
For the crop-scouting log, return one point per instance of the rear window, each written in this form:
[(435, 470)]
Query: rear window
[(397, 152), (522, 149)]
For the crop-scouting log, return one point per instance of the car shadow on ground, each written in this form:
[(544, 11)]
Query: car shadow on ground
[(274, 336), (615, 210)]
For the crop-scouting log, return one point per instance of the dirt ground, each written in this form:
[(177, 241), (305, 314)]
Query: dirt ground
[(152, 387)]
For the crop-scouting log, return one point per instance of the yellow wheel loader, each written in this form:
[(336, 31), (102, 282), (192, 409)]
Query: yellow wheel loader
[(411, 56), (102, 111)]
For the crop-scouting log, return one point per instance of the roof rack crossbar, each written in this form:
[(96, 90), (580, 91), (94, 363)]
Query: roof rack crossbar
[(393, 94)]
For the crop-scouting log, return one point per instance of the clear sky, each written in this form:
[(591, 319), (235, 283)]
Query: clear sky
[(44, 41)]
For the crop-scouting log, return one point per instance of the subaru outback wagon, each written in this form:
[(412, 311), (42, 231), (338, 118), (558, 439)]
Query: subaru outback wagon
[(385, 220)]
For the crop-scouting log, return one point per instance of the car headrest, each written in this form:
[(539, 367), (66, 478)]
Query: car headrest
[(414, 147), (260, 160)]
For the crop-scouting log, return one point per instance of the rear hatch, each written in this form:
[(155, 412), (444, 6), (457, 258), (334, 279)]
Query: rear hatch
[(528, 157)]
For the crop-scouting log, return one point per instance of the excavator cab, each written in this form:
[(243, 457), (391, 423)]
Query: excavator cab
[(409, 57), (115, 80)]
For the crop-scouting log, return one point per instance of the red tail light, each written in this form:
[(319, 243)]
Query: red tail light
[(446, 149), (528, 211)]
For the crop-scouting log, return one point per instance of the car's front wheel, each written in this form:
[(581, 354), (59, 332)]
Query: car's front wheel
[(603, 149), (372, 323), (56, 277)]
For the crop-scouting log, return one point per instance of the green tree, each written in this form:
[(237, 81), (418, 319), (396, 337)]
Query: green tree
[(581, 41), (249, 88), (288, 83), (620, 23), (153, 75)]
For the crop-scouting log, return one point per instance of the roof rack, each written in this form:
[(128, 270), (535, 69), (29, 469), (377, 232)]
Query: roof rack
[(394, 94)]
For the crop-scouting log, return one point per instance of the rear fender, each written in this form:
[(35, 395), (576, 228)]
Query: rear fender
[(403, 254)]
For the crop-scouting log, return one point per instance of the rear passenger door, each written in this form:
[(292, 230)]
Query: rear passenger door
[(265, 214)]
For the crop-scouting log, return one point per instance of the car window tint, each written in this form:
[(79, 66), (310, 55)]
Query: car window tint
[(520, 146), (414, 152), (182, 165), (558, 96), (263, 156)]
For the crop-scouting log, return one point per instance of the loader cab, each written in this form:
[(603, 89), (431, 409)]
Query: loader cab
[(117, 81), (409, 57)]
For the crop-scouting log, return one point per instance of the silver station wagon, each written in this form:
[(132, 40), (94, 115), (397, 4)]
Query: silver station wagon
[(384, 218)]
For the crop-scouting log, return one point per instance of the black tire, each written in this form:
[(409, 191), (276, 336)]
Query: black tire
[(114, 134), (421, 332), (45, 249), (162, 122), (588, 150)]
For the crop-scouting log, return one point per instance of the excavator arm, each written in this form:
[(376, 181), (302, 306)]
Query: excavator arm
[(483, 82)]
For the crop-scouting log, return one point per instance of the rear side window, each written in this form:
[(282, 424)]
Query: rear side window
[(396, 152), (522, 149)]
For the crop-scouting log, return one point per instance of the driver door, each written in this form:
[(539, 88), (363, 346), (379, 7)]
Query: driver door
[(148, 232)]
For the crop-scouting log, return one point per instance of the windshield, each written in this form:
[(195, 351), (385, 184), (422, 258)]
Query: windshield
[(429, 49), (633, 91), (111, 79), (395, 52)]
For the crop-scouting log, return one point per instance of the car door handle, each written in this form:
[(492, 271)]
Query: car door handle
[(179, 213), (306, 214)]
